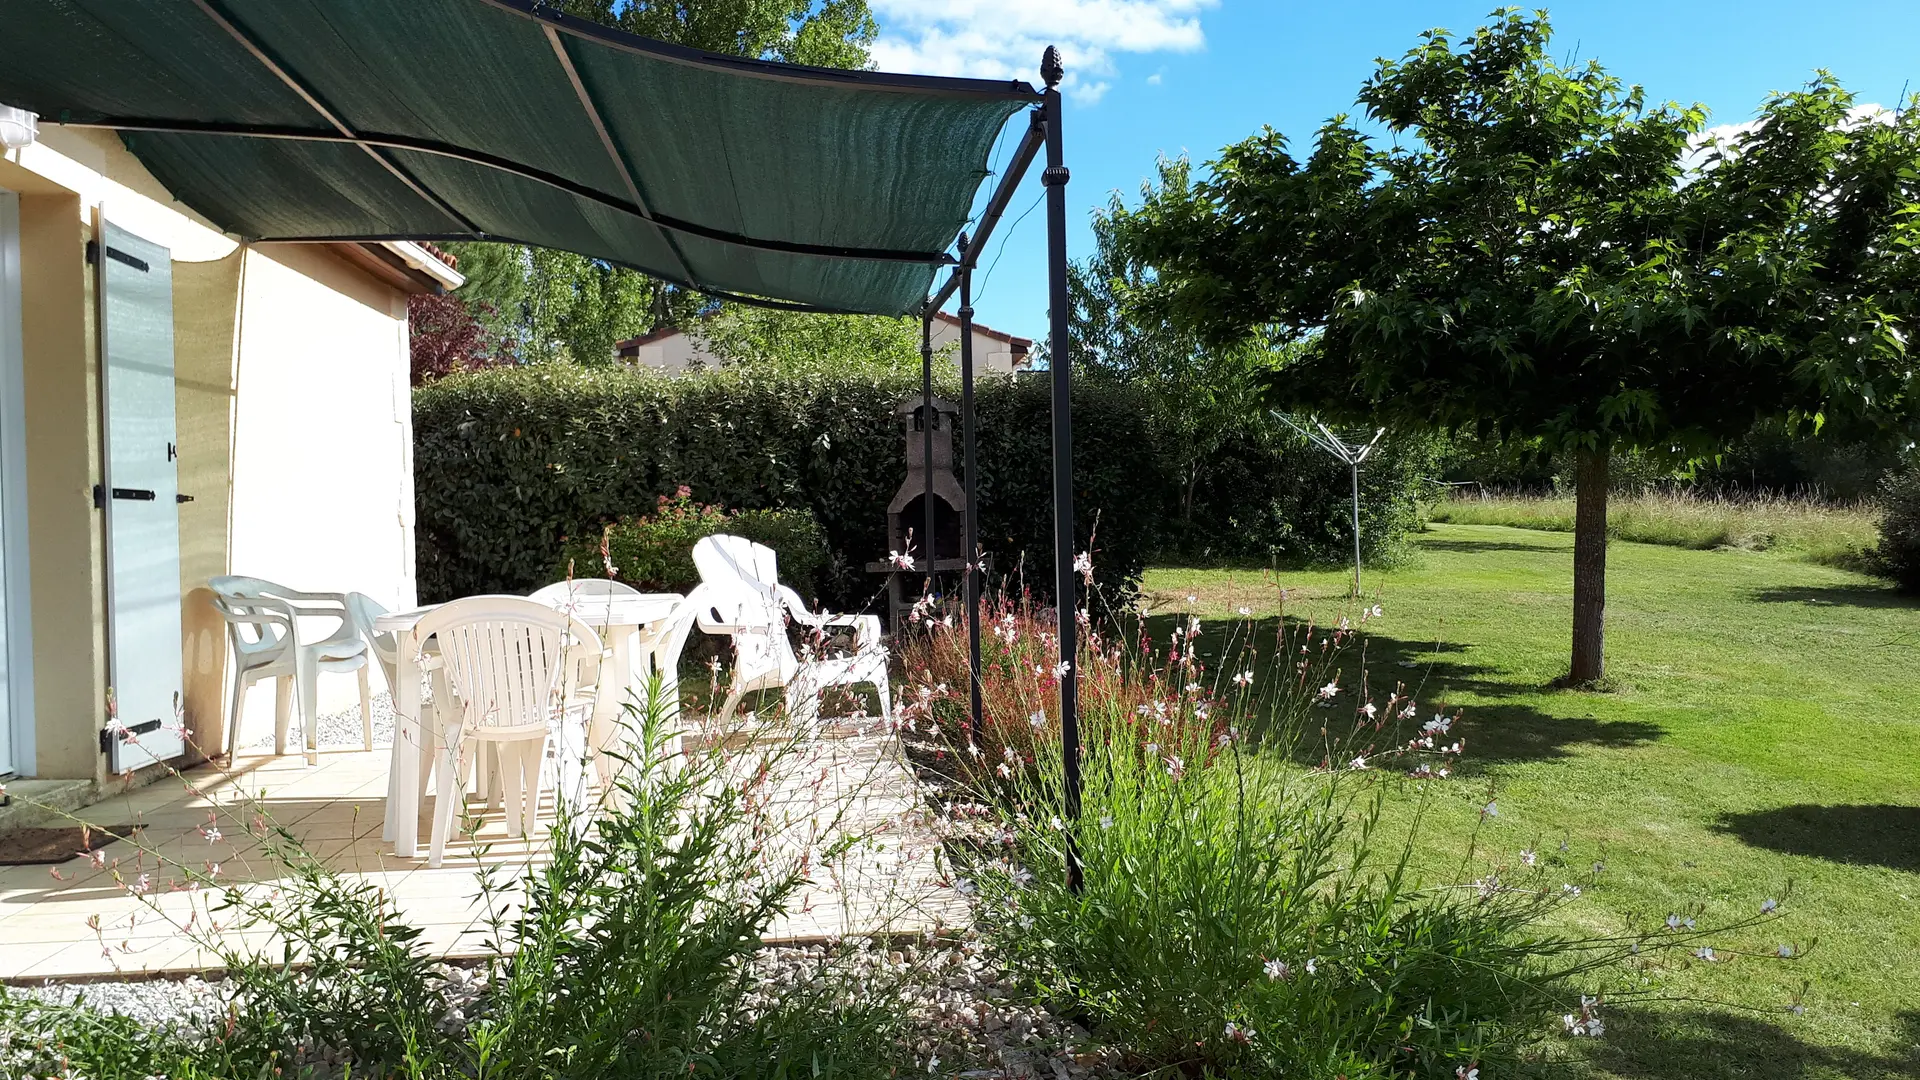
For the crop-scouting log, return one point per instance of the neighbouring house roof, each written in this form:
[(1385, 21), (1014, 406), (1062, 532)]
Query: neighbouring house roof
[(658, 333), (370, 121), (1016, 345)]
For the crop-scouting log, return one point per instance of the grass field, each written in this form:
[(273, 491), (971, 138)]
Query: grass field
[(1809, 529), (1765, 731)]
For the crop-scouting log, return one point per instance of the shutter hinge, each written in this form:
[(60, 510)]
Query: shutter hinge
[(107, 735)]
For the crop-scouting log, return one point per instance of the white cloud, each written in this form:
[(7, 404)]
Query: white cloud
[(1003, 39), (1154, 79)]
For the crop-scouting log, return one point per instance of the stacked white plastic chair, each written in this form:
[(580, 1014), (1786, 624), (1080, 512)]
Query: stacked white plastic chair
[(522, 674), (740, 596), (264, 625)]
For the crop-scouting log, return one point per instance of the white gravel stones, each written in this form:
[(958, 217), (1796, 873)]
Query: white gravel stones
[(965, 1017), (342, 728)]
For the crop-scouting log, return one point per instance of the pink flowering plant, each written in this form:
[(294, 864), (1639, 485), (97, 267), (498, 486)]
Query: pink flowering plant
[(1255, 901)]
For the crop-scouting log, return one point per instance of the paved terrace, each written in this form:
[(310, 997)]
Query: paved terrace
[(77, 920)]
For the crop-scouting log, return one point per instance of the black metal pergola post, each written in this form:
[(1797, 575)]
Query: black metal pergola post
[(1043, 134), (1066, 590), (970, 527), (926, 446)]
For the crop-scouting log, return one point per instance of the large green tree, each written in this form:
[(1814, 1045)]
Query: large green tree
[(1208, 393), (557, 306), (823, 33), (1532, 251)]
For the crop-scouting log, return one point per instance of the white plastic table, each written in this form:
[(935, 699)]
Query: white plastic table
[(650, 617)]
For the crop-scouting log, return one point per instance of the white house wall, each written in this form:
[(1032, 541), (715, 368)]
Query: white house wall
[(322, 439)]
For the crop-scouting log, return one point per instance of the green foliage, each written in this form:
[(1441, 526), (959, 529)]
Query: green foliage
[(511, 462), (1266, 493), (654, 553), (1898, 553), (1533, 253), (795, 342)]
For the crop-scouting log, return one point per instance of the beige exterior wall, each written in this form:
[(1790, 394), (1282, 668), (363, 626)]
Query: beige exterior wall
[(675, 353), (292, 417)]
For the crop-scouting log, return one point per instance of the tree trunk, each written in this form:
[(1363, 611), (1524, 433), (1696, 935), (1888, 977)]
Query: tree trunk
[(1591, 481)]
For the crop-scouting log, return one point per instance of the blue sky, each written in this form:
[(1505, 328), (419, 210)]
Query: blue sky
[(1152, 77)]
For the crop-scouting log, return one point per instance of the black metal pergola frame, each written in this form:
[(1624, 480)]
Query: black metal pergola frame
[(1043, 134)]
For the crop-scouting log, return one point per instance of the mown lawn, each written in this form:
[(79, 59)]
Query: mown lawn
[(1765, 730)]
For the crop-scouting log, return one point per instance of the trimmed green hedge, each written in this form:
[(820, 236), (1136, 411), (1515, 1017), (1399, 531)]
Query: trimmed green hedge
[(509, 463), (654, 552)]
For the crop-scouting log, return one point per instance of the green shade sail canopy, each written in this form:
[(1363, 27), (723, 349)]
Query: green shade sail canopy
[(505, 120)]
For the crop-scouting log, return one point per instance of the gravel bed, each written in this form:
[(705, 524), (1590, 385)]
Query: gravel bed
[(341, 728), (965, 1017)]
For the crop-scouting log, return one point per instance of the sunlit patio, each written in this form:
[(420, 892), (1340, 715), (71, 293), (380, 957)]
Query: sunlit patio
[(132, 910)]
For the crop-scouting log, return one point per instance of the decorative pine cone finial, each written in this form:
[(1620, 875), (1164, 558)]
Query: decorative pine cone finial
[(1051, 70)]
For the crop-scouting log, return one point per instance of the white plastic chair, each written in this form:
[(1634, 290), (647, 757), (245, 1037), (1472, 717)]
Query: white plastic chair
[(385, 647), (517, 668), (740, 596), (263, 623)]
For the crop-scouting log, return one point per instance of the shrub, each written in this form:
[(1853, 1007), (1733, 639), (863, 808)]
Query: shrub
[(507, 462), (1270, 494), (1020, 701), (1898, 553), (655, 553)]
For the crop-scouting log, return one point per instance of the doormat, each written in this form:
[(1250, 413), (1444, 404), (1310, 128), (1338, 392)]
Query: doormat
[(33, 847)]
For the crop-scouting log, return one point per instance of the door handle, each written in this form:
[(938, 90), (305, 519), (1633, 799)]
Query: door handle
[(136, 494)]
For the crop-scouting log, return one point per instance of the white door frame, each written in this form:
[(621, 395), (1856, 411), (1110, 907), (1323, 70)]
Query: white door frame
[(17, 747)]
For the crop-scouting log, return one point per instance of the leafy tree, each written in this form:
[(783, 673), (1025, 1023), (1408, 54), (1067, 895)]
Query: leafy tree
[(1208, 394), (550, 305), (823, 33), (447, 336), (796, 342), (1538, 254)]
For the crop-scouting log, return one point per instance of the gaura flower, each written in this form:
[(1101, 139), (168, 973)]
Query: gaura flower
[(1278, 970)]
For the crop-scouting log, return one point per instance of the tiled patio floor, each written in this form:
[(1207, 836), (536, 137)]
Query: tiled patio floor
[(76, 920)]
